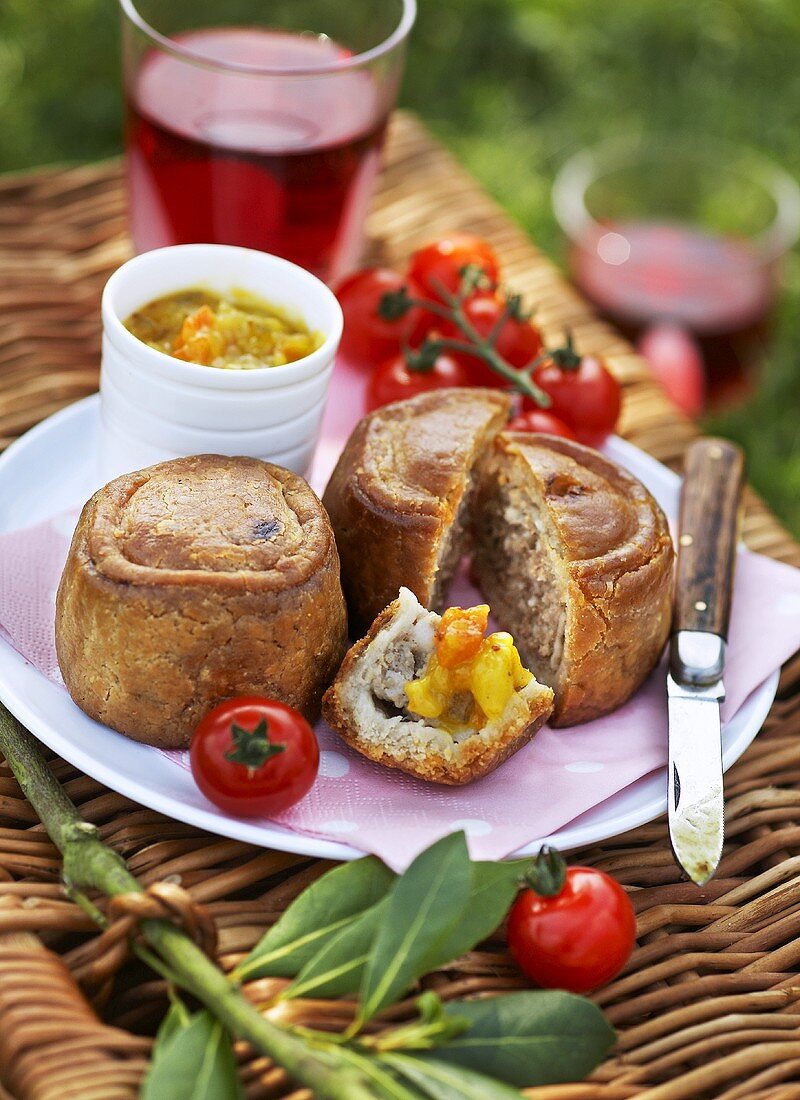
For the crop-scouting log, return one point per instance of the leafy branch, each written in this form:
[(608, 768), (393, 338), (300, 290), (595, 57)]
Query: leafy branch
[(90, 865), (361, 932)]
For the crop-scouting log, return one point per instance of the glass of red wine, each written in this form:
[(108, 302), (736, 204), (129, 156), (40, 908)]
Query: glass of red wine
[(679, 244), (259, 123)]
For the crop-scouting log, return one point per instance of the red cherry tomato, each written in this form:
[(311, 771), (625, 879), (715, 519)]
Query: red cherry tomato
[(254, 757), (394, 380), (583, 392), (579, 939), (676, 361), (519, 342), (440, 264), (539, 420), (368, 337)]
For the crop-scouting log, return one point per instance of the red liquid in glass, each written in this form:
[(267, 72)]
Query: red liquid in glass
[(714, 287), (281, 164)]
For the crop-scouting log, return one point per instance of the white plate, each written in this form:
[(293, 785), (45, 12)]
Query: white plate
[(53, 467)]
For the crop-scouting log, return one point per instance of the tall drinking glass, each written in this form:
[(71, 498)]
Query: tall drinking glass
[(259, 123)]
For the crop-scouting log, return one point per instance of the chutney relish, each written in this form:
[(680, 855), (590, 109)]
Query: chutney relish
[(469, 679), (240, 332)]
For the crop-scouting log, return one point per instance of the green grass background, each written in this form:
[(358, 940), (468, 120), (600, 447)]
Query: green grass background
[(513, 87)]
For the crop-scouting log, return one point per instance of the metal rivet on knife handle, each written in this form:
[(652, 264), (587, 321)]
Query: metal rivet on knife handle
[(707, 547)]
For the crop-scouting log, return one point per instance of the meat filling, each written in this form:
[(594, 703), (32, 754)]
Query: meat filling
[(518, 567), (404, 659)]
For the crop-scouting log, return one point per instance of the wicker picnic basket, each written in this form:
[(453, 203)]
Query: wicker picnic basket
[(708, 1004)]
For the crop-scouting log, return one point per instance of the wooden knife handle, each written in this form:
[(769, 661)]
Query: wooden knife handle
[(709, 531)]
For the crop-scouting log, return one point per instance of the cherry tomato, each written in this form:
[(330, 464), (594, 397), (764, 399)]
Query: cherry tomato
[(539, 420), (676, 361), (369, 338), (519, 342), (584, 393), (394, 380), (440, 264), (578, 939), (254, 757)]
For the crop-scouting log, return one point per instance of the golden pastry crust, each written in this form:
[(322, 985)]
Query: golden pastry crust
[(609, 550), (396, 496), (193, 581), (459, 763)]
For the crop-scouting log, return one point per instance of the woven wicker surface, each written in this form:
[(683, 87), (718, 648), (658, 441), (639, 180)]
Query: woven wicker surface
[(708, 1004)]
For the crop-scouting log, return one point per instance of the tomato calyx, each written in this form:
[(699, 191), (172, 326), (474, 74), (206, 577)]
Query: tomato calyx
[(516, 310), (395, 304), (423, 360), (548, 874), (472, 277), (252, 748), (567, 357)]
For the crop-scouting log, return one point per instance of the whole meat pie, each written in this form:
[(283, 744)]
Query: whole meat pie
[(193, 581)]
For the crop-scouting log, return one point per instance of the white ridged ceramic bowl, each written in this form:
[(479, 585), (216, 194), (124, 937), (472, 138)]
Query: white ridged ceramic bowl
[(155, 407)]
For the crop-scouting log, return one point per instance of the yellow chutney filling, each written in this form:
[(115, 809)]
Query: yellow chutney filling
[(470, 677), (238, 332)]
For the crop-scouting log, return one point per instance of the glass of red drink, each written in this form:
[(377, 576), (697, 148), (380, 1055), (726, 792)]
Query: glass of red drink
[(679, 244), (259, 124)]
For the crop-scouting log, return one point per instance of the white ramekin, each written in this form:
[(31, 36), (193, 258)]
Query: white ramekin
[(154, 407)]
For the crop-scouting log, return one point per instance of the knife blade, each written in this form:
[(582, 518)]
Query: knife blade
[(710, 513)]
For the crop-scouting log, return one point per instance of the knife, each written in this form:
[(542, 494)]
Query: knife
[(710, 514)]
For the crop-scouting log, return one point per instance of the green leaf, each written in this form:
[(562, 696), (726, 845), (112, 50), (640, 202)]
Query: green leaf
[(424, 906), (193, 1061), (319, 913), (494, 886), (383, 1080), (177, 1018), (337, 969), (535, 1037), (441, 1081)]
